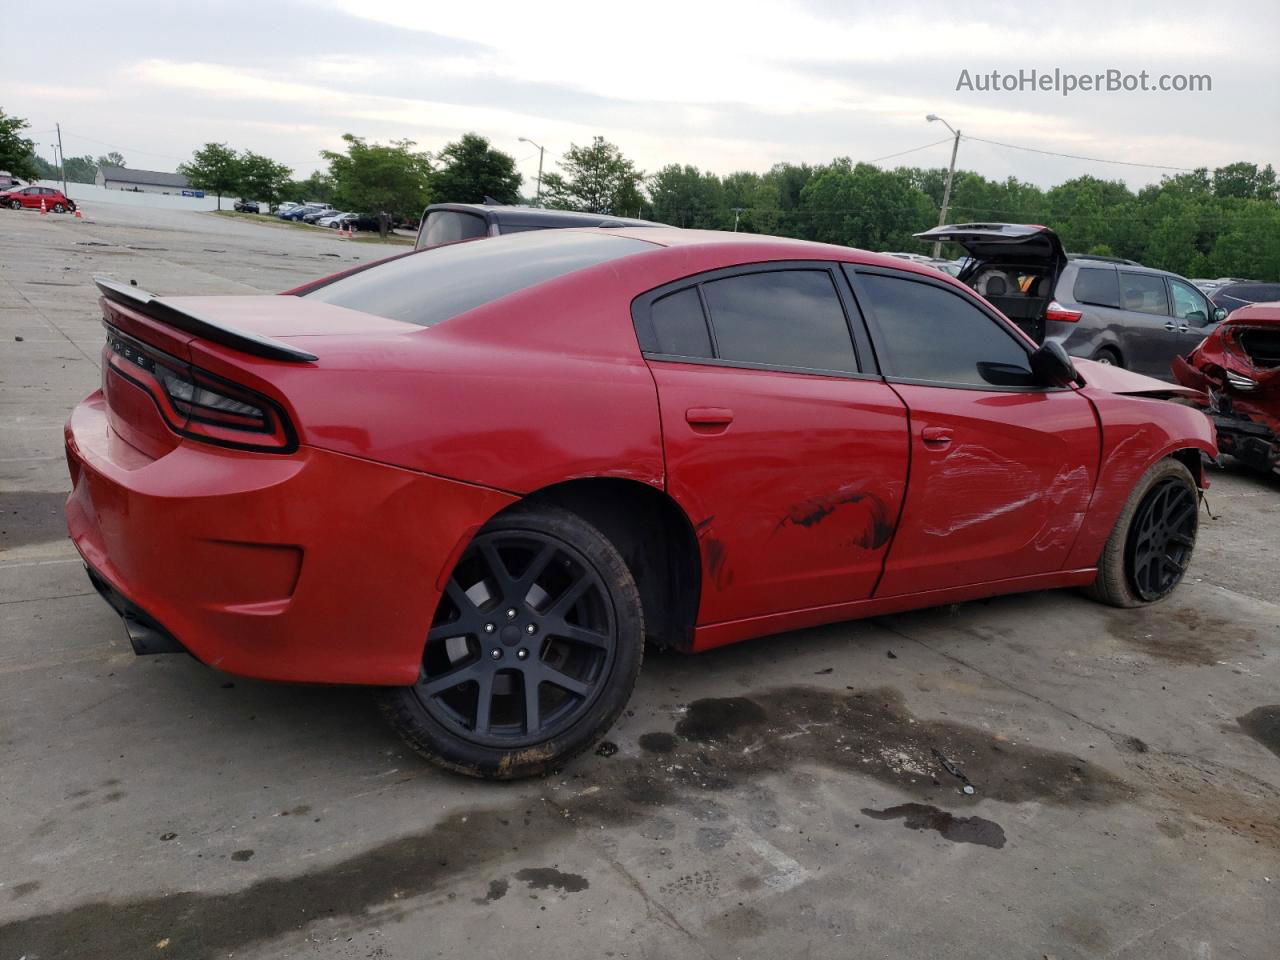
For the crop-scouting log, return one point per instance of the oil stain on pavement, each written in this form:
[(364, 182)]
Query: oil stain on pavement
[(920, 816), (719, 745)]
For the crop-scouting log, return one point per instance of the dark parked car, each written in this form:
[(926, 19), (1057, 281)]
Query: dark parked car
[(297, 213), (358, 220), (30, 198), (1236, 294), (246, 206), (311, 216), (1106, 309), (453, 222)]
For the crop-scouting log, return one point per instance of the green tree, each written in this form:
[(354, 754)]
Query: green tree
[(864, 206), (596, 179), (384, 181), (687, 197), (17, 153), (1245, 181), (80, 169), (214, 167), (111, 159), (318, 187), (471, 170), (261, 178)]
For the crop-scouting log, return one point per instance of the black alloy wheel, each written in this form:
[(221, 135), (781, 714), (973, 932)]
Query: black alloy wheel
[(15, 204), (1163, 536), (522, 642)]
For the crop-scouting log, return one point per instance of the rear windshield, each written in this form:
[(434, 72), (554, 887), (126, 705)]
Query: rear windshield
[(429, 286)]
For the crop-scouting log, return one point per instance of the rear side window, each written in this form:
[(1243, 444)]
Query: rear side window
[(429, 286), (1143, 293), (679, 327), (928, 333), (451, 226), (787, 318), (1099, 286)]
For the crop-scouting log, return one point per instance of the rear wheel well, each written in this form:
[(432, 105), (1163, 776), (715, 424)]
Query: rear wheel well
[(655, 539)]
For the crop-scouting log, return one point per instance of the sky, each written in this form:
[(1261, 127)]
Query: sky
[(721, 85)]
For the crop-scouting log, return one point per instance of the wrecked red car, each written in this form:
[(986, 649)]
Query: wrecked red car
[(482, 476), (1238, 367)]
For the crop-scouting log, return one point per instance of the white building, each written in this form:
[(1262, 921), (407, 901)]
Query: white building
[(140, 181)]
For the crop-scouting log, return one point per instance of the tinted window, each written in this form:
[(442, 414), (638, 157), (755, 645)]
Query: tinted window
[(927, 333), (1097, 285), (1189, 303), (429, 286), (679, 327), (1143, 293), (787, 317), (450, 226), (1237, 295)]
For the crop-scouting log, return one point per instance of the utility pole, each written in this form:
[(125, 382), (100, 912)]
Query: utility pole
[(538, 201), (62, 166), (737, 211), (946, 192)]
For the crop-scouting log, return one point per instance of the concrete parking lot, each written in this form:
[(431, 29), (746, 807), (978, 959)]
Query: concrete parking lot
[(788, 797)]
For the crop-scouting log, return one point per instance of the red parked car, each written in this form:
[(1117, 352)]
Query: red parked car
[(1238, 367), (30, 198), (481, 476)]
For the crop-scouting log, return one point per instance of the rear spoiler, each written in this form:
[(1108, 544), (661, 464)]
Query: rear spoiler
[(157, 309)]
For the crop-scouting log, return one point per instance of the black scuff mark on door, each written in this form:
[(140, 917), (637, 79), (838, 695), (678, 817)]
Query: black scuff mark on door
[(714, 552), (810, 513)]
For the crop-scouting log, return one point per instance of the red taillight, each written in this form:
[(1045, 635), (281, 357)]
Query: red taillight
[(198, 404), (1056, 311)]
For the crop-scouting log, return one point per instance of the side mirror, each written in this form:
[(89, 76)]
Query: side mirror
[(1052, 366), (1219, 314)]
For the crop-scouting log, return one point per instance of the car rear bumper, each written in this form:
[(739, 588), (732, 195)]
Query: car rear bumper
[(315, 567)]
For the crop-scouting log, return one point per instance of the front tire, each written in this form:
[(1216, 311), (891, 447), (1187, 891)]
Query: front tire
[(59, 208), (1151, 545), (533, 652)]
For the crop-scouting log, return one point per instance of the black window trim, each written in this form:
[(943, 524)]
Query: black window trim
[(863, 355), (852, 270)]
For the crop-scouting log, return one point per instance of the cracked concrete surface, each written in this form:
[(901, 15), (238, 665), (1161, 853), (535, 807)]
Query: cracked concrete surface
[(777, 798)]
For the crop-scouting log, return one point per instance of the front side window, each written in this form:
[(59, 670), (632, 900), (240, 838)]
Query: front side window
[(928, 333), (1099, 286), (1143, 293), (1189, 303), (790, 318)]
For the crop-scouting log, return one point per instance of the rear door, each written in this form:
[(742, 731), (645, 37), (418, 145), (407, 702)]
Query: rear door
[(1001, 470), (782, 443), (1149, 334)]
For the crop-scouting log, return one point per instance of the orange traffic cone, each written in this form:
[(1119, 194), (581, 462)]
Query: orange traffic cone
[(44, 211)]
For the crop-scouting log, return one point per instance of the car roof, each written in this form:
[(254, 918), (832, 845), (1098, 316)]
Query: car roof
[(514, 214)]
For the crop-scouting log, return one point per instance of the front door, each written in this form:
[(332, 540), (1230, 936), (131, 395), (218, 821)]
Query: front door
[(790, 460), (1001, 470)]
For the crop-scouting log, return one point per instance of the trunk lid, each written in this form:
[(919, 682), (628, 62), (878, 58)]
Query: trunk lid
[(1016, 266)]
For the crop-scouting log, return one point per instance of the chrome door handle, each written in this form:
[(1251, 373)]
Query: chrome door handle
[(1171, 326)]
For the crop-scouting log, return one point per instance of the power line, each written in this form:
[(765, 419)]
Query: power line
[(902, 153), (1075, 156)]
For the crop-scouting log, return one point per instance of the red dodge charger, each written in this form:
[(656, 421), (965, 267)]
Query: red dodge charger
[(482, 476)]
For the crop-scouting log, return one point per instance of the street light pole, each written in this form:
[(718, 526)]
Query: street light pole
[(62, 160), (538, 201), (951, 172)]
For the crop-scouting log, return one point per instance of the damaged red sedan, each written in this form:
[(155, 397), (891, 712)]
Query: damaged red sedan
[(483, 476), (1238, 367)]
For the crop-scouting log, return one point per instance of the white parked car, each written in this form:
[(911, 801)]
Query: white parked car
[(331, 219)]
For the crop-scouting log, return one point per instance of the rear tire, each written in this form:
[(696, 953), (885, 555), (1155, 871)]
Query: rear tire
[(541, 622), (1152, 542), (1109, 356)]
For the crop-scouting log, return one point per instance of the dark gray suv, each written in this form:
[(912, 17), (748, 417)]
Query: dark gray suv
[(1106, 309)]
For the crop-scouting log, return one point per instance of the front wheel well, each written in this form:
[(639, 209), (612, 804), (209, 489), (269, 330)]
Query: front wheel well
[(1193, 459), (656, 540)]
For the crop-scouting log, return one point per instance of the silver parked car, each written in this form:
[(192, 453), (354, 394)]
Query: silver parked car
[(1106, 309)]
